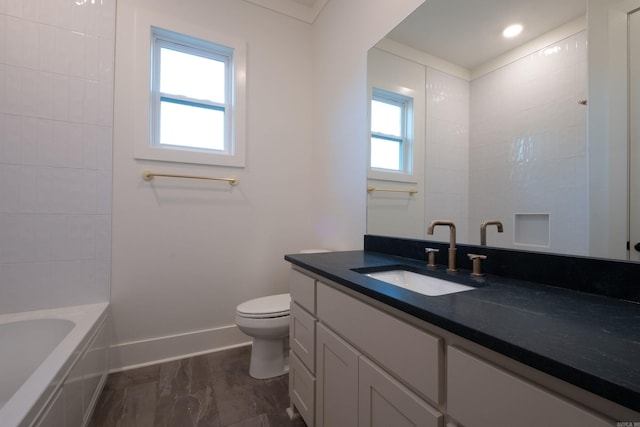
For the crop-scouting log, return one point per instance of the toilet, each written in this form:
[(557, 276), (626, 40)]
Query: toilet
[(266, 321)]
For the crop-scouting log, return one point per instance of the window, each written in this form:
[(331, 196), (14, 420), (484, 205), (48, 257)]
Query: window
[(191, 93), (197, 101), (391, 133)]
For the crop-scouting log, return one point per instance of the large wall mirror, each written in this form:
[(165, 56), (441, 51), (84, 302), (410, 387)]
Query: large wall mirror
[(531, 131)]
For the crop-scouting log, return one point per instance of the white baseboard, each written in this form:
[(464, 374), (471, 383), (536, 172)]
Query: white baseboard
[(137, 354)]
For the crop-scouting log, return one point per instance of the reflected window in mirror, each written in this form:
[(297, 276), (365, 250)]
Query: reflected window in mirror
[(391, 132)]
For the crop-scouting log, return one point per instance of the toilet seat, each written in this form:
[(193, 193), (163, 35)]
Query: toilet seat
[(265, 307)]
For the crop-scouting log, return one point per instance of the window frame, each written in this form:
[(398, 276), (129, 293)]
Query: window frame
[(163, 39), (234, 53), (406, 139)]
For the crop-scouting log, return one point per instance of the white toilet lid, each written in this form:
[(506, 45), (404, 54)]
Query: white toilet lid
[(271, 306)]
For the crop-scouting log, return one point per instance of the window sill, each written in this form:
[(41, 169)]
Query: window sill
[(392, 176), (181, 155)]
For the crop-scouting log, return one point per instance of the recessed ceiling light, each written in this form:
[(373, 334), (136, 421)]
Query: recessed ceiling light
[(512, 30)]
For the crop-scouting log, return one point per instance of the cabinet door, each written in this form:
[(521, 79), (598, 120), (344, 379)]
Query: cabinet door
[(383, 401), (482, 395), (408, 353), (337, 381)]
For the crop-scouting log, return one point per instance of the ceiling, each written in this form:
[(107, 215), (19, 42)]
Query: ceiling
[(304, 10), (469, 32)]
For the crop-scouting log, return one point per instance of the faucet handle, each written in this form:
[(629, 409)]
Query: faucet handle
[(431, 252), (477, 266)]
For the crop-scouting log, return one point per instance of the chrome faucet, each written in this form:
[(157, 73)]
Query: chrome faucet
[(483, 230), (452, 241)]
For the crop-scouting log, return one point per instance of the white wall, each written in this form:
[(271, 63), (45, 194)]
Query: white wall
[(447, 153), (186, 253), (528, 151), (343, 34), (56, 98)]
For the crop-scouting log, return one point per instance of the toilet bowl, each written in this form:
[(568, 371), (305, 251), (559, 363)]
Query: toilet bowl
[(266, 321)]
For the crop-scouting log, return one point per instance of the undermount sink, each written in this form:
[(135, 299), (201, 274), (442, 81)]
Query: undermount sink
[(419, 283)]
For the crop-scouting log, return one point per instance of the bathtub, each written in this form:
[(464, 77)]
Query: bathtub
[(53, 364)]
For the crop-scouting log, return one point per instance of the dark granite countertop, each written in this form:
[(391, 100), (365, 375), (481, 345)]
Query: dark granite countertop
[(588, 340)]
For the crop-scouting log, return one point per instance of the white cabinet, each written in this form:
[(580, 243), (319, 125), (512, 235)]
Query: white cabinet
[(356, 363), (302, 341), (337, 381), (303, 290), (328, 366), (482, 395), (410, 354), (302, 335), (302, 389), (383, 401)]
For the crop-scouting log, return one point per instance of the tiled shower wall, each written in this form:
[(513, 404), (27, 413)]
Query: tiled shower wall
[(447, 152), (528, 146), (56, 114)]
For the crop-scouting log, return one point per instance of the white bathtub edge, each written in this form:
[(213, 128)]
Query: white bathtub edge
[(137, 354), (31, 398)]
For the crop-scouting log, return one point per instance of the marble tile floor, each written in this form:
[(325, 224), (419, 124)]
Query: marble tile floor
[(212, 390)]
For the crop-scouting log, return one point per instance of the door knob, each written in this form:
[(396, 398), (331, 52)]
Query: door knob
[(637, 246)]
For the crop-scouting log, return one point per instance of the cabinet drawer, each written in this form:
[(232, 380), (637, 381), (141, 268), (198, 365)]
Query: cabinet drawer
[(410, 354), (303, 290), (302, 336), (302, 387), (480, 394)]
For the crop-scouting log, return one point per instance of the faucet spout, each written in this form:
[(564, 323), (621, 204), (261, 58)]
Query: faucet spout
[(483, 230), (452, 240)]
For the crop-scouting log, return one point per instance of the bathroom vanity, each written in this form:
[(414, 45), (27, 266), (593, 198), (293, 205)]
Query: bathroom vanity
[(508, 352)]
